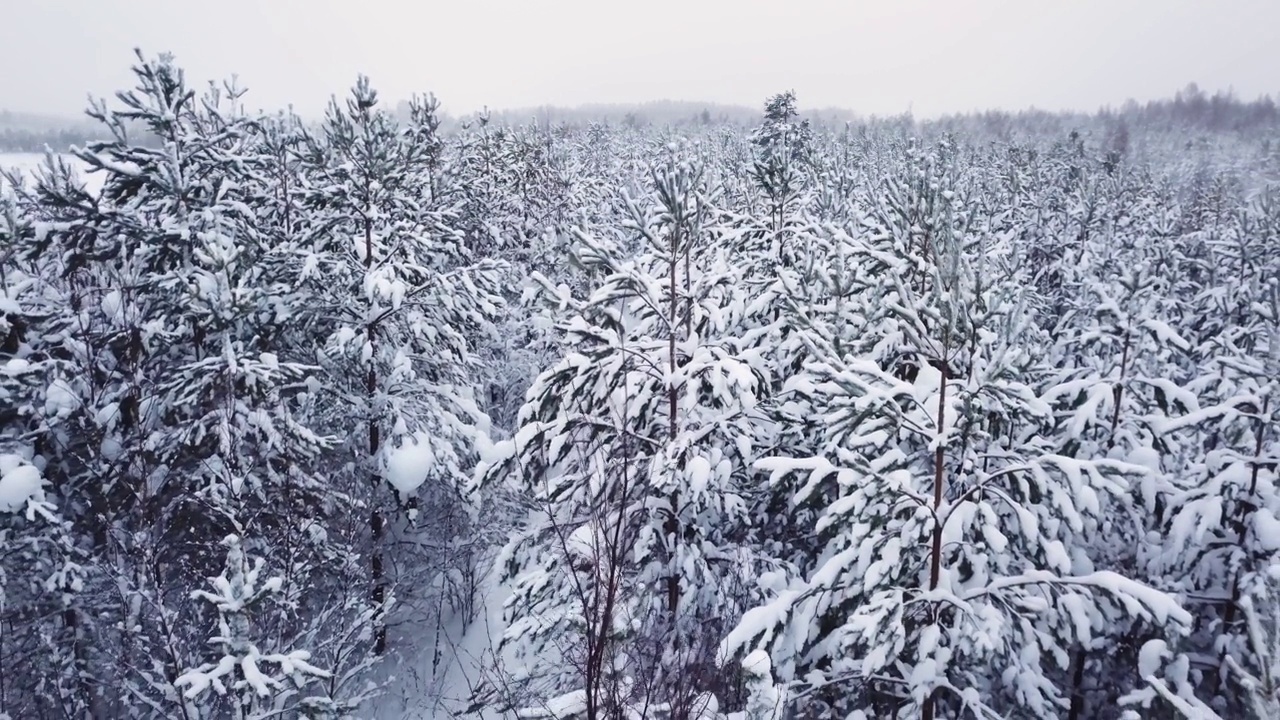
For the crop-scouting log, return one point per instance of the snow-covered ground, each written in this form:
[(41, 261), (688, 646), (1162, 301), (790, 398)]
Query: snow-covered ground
[(27, 163), (434, 682)]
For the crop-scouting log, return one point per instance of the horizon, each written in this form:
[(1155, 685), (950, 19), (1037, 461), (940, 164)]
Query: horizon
[(71, 119), (872, 59)]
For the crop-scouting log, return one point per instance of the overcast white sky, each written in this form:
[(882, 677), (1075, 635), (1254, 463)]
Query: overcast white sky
[(872, 56)]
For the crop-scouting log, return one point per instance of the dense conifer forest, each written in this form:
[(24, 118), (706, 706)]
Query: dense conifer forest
[(976, 417)]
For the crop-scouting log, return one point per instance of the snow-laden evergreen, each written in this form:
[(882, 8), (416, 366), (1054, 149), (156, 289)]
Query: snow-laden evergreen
[(632, 460)]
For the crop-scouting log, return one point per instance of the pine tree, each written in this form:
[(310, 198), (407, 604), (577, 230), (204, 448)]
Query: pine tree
[(396, 300), (241, 673), (952, 509), (635, 447), (40, 577), (172, 418), (782, 146)]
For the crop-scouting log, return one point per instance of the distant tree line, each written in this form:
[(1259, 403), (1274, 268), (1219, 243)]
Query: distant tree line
[(1190, 108), (26, 133), (17, 140), (1220, 111)]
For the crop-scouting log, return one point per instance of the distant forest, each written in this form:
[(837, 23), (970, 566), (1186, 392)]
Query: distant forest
[(1190, 107), (27, 140), (32, 133)]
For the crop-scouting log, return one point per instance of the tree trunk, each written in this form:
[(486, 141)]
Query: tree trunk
[(935, 553), (378, 593), (672, 528)]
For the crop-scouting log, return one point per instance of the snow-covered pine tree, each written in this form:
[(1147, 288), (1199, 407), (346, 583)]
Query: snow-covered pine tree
[(395, 305), (243, 682), (124, 259), (635, 449), (1220, 518), (1118, 361), (41, 576), (519, 193), (782, 145), (171, 419), (949, 584), (1252, 671), (279, 142)]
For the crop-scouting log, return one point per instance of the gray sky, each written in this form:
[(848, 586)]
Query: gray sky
[(881, 56)]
